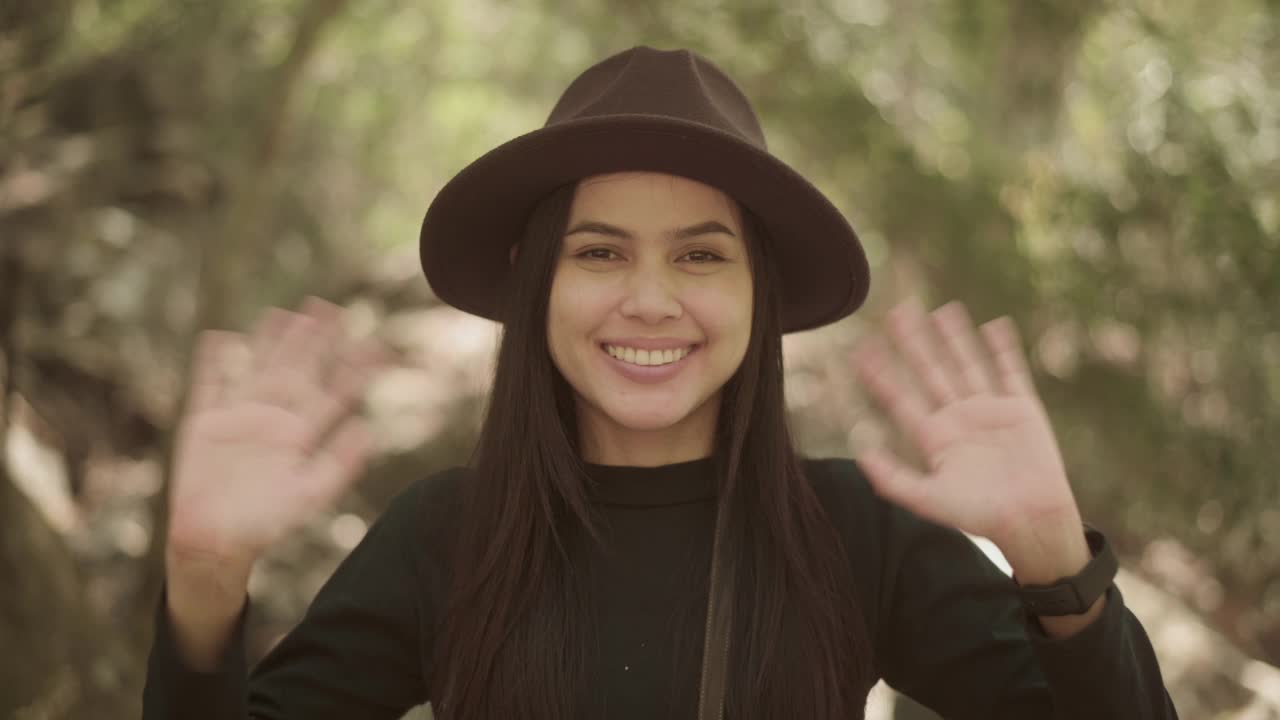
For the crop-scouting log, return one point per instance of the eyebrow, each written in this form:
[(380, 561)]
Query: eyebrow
[(602, 228)]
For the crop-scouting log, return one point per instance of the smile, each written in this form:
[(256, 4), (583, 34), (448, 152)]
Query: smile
[(648, 358), (661, 371)]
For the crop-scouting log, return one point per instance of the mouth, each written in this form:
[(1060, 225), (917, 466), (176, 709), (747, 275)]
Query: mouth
[(648, 358), (666, 365)]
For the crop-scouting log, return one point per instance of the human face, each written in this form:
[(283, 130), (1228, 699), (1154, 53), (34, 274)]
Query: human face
[(649, 262)]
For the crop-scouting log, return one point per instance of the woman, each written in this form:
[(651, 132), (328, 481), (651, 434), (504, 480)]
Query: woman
[(636, 536)]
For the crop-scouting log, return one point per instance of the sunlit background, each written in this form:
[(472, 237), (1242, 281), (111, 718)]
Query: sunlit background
[(1107, 173)]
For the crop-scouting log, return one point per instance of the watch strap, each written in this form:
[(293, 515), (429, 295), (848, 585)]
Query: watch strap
[(1076, 594)]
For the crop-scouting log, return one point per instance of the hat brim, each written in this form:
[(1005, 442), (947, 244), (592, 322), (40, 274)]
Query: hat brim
[(478, 215)]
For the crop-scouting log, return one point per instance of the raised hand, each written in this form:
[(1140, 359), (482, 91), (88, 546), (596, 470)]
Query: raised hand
[(254, 457), (993, 464)]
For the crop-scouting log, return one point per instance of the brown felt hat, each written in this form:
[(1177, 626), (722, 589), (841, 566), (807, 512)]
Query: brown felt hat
[(660, 111)]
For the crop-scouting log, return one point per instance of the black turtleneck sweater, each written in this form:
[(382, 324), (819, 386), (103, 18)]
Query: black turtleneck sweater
[(946, 624)]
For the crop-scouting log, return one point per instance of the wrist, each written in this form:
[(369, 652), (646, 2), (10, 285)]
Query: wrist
[(1073, 601), (203, 610), (207, 576), (1048, 552)]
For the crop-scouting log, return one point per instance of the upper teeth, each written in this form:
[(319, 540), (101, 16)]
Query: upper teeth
[(647, 357)]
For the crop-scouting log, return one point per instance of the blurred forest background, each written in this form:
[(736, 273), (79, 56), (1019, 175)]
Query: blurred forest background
[(1108, 173)]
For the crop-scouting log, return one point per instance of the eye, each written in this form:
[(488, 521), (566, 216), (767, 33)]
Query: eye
[(596, 254), (703, 256)]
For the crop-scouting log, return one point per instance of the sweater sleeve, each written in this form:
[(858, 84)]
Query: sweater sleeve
[(955, 637), (357, 652)]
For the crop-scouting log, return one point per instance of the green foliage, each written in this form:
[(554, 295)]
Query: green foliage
[(1106, 173)]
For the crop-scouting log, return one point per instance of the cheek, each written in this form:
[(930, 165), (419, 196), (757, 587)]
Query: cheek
[(574, 309), (568, 287), (724, 314), (557, 322)]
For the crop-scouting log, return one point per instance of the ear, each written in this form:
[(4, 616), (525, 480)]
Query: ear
[(511, 256)]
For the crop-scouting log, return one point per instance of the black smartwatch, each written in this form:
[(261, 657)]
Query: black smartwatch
[(1075, 595)]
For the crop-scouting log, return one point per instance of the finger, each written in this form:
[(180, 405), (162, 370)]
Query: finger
[(1012, 371), (267, 332), (356, 365), (371, 357), (332, 469), (293, 341), (262, 339), (283, 388), (956, 330), (317, 346), (911, 330), (354, 369), (280, 370), (209, 368), (893, 479), (902, 403)]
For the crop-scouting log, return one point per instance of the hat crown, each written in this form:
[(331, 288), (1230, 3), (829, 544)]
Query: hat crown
[(677, 84), (646, 110)]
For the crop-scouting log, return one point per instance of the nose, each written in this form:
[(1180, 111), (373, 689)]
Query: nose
[(651, 298)]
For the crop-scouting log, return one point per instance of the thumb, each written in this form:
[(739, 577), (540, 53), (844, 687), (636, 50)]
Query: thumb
[(334, 465), (894, 480)]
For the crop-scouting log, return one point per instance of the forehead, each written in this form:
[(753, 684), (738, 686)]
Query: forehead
[(650, 195)]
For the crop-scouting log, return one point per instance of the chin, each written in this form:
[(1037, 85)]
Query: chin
[(653, 419)]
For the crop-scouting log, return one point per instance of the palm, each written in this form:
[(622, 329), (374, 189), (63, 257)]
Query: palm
[(253, 460), (993, 462), (244, 470)]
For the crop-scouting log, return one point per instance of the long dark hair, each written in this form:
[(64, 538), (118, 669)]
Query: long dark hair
[(513, 643)]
